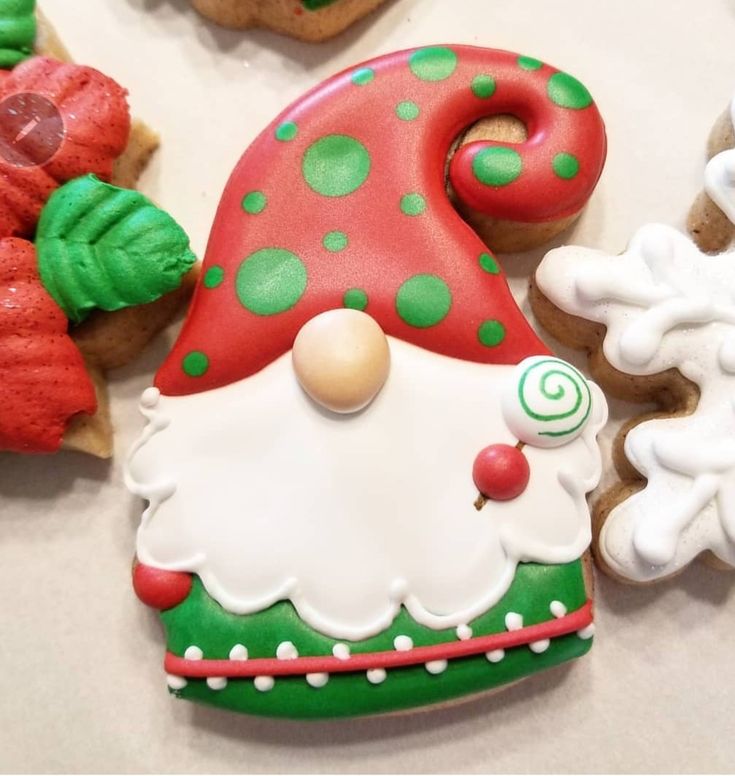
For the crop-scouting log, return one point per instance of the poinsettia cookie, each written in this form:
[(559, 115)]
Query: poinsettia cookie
[(366, 473), (659, 323), (309, 20), (712, 217), (81, 259)]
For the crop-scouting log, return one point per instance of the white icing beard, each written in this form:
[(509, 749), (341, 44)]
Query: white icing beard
[(266, 496), (665, 305), (719, 177)]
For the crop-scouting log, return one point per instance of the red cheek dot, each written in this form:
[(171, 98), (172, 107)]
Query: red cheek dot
[(501, 472), (160, 589)]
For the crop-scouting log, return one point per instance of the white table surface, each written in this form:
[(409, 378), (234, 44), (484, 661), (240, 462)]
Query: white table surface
[(81, 683)]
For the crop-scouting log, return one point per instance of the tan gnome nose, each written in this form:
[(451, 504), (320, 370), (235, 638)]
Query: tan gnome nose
[(341, 359)]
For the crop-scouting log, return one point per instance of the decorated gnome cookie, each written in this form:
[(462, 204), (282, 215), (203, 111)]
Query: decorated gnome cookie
[(712, 216), (309, 20), (366, 474), (660, 324), (82, 262)]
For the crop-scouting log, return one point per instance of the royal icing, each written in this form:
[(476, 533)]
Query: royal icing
[(341, 201), (719, 177), (321, 516), (547, 403), (103, 247), (17, 31), (95, 121), (245, 533), (665, 305), (43, 382)]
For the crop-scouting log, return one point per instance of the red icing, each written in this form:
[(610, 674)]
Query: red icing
[(501, 472), (97, 127), (386, 246), (43, 380), (550, 629), (160, 589)]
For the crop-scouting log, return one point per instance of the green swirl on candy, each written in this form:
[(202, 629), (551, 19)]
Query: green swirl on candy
[(17, 31), (561, 374), (103, 247)]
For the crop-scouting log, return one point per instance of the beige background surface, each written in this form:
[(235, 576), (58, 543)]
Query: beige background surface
[(81, 684)]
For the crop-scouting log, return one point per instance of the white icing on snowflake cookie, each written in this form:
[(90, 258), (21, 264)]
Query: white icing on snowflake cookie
[(665, 305)]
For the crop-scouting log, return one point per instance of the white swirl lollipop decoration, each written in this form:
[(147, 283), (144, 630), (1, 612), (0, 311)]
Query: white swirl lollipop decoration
[(547, 402)]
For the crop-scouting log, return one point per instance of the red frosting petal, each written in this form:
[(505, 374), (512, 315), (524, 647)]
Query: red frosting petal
[(43, 380), (96, 128)]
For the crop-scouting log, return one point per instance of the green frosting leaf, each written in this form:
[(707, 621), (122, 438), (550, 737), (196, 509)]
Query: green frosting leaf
[(17, 31), (104, 247)]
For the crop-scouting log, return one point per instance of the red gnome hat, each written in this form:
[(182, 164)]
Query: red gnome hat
[(341, 201)]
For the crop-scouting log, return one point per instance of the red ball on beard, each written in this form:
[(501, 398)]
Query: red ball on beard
[(160, 589), (501, 472)]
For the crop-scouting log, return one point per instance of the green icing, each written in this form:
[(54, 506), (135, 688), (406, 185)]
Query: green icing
[(314, 5), (557, 381), (497, 166), (529, 63), (270, 281), (17, 31), (213, 277), (363, 76), (200, 621), (286, 131), (195, 364), (254, 202), (103, 247), (355, 299), (423, 301), (407, 110), (483, 86), (413, 204), (491, 333), (335, 241), (336, 165), (489, 263), (434, 63), (565, 90), (566, 166)]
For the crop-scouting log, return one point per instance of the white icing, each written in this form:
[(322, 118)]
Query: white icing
[(176, 682), (268, 497), (402, 643), (513, 621), (719, 177), (216, 682), (665, 305), (464, 632), (193, 653), (435, 667), (264, 683), (286, 650), (495, 655), (547, 402), (537, 647), (558, 609), (317, 680), (239, 652), (341, 651), (587, 632), (376, 675)]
